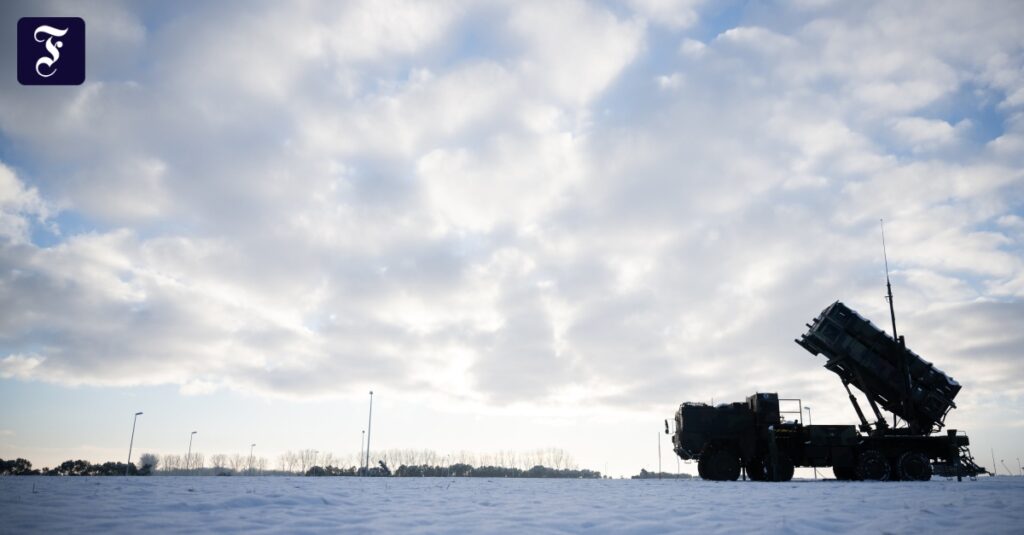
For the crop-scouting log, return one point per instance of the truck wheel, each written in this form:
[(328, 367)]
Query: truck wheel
[(722, 466), (702, 466), (844, 473), (873, 466), (914, 466), (755, 469), (785, 469)]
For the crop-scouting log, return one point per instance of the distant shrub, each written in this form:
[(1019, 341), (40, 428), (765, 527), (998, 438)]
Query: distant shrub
[(17, 467), (644, 474), (85, 468), (149, 462)]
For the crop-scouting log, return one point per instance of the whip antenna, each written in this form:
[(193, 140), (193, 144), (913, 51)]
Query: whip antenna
[(888, 285)]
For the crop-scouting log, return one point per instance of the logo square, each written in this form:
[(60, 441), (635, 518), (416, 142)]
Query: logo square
[(51, 51)]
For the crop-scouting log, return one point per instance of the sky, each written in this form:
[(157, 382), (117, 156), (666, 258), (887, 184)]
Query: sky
[(521, 224)]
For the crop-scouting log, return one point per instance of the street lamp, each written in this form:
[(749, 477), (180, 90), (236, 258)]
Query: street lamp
[(659, 454), (362, 444), (188, 458), (131, 442), (811, 422), (369, 430), (250, 458)]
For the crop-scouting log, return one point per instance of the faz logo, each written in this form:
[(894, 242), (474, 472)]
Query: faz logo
[(51, 51)]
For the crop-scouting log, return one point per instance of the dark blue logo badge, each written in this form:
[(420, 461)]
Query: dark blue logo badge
[(51, 51)]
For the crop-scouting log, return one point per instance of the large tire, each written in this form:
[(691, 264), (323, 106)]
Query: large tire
[(760, 469), (720, 466), (702, 465), (914, 466), (755, 469), (873, 466), (844, 473), (784, 470)]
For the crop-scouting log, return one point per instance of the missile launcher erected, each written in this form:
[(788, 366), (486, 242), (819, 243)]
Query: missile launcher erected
[(728, 439), (753, 438), (869, 359)]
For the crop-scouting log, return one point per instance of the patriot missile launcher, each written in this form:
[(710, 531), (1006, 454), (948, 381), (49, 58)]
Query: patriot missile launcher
[(753, 437), (756, 437)]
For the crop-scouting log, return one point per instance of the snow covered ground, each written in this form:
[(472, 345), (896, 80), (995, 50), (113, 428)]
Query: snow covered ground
[(441, 505)]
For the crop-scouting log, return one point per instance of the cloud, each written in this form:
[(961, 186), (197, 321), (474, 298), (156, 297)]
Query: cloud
[(573, 66), (19, 205), (518, 203), (920, 132), (761, 40), (669, 82), (692, 48), (676, 14)]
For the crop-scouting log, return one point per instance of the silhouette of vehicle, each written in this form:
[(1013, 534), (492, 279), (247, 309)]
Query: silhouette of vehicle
[(753, 436)]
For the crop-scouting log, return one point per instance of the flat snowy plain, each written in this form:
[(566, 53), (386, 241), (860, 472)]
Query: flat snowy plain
[(470, 505)]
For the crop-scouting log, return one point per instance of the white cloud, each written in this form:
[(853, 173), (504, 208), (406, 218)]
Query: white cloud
[(574, 66), (675, 14), (921, 133), (18, 207), (509, 183), (757, 39), (692, 48), (669, 82), (19, 366), (535, 219)]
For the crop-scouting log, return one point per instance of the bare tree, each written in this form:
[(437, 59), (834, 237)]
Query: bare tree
[(172, 462), (238, 462), (219, 461), (307, 459), (195, 460), (328, 459), (557, 457), (293, 461), (465, 457), (355, 459)]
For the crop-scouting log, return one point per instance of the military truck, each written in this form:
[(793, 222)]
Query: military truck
[(756, 438)]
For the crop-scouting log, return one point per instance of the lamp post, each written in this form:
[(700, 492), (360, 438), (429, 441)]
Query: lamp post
[(362, 445), (131, 442), (811, 422), (188, 458), (250, 458), (659, 454), (369, 431)]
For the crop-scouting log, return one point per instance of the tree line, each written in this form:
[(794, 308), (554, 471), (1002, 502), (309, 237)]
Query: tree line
[(543, 463), (23, 467), (644, 474)]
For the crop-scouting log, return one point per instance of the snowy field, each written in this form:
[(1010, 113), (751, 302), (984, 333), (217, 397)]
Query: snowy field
[(441, 505)]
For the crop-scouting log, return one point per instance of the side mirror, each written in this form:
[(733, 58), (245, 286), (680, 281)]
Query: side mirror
[(666, 428)]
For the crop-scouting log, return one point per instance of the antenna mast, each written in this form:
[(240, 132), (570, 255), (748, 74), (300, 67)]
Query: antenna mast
[(888, 285), (904, 367)]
